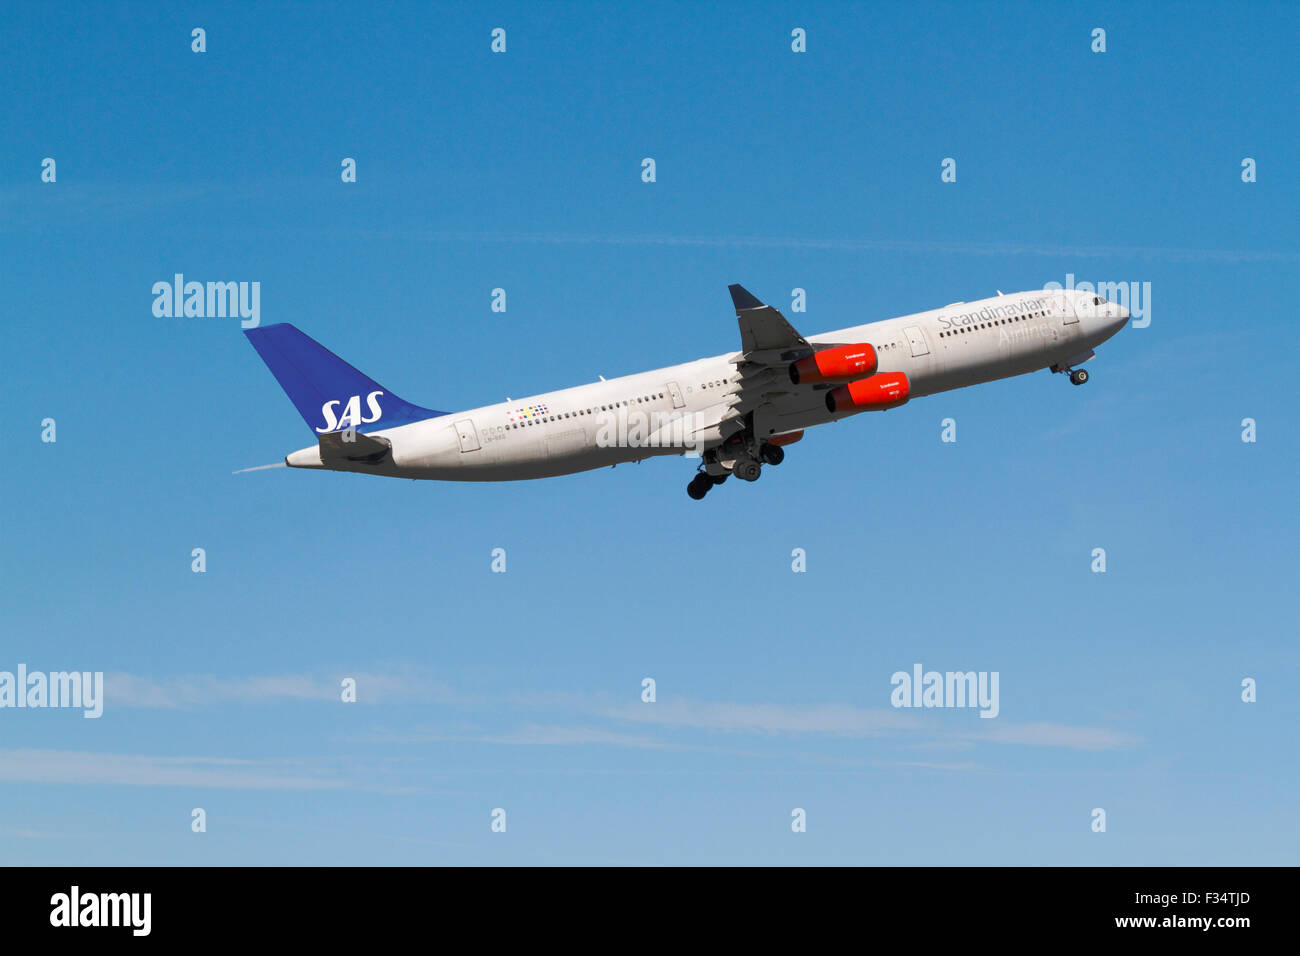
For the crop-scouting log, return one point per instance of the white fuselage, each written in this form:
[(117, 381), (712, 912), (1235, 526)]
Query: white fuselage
[(576, 429)]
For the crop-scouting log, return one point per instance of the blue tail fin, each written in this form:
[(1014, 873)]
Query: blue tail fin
[(328, 392)]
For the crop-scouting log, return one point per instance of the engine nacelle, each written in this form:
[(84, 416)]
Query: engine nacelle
[(886, 390), (843, 363)]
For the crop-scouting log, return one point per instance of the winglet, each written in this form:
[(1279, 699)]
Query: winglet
[(761, 326), (743, 299)]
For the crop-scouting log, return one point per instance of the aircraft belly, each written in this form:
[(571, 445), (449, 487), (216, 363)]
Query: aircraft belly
[(548, 455)]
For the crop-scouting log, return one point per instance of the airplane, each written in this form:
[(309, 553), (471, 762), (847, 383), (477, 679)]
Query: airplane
[(736, 412)]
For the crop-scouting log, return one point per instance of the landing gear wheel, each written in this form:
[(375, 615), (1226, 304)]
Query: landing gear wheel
[(718, 479), (1078, 377), (773, 454), (699, 486), (747, 470)]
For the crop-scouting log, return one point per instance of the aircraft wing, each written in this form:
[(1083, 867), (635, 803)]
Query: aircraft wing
[(763, 328), (769, 343)]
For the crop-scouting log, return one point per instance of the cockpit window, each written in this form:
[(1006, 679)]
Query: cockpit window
[(1098, 300)]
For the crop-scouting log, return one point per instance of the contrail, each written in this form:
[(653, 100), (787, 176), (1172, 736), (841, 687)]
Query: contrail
[(278, 464), (850, 244)]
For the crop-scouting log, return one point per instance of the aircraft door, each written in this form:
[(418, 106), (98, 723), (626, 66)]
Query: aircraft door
[(467, 435), (675, 392), (916, 339), (1068, 317)]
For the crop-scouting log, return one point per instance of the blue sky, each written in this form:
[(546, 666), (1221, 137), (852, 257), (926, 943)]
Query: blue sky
[(522, 690)]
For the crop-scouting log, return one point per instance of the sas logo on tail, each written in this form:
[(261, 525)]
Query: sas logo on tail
[(351, 413)]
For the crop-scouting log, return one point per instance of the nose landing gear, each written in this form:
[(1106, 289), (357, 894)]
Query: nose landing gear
[(1077, 375)]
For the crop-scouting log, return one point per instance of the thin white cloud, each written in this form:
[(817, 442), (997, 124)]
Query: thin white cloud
[(854, 244), (541, 735), (836, 720), (553, 735), (70, 203), (1055, 735), (26, 833), (203, 690), (830, 721), (79, 202), (139, 770), (848, 721)]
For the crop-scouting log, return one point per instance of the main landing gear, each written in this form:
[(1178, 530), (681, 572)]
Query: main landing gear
[(702, 482), (744, 466)]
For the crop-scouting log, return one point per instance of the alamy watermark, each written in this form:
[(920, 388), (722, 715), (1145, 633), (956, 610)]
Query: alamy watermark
[(128, 910), (212, 300), (82, 689), (633, 428), (1134, 296), (922, 688)]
